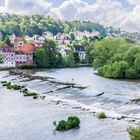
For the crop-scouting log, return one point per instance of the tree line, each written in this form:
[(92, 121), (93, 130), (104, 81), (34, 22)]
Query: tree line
[(117, 58), (21, 25)]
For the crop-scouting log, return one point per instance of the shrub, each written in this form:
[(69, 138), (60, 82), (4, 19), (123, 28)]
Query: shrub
[(24, 90), (101, 115), (62, 126), (35, 97), (10, 86), (134, 133), (30, 94), (26, 67), (72, 122), (3, 82)]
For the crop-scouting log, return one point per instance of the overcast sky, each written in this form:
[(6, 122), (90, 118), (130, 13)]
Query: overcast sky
[(124, 14)]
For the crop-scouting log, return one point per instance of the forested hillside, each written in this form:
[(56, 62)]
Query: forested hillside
[(36, 24)]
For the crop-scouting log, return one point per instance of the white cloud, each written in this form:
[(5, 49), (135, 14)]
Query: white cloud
[(134, 2), (27, 6)]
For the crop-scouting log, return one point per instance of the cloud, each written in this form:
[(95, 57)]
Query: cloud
[(102, 11), (134, 2), (27, 6)]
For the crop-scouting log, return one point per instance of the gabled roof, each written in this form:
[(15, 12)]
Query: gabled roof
[(27, 48)]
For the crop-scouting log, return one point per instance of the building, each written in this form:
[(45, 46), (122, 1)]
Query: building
[(63, 50), (48, 35), (18, 42), (81, 52), (8, 56), (24, 52), (25, 55)]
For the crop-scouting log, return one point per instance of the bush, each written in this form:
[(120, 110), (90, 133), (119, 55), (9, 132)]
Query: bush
[(72, 122), (10, 86), (101, 115), (134, 133), (30, 94), (26, 67), (35, 97), (3, 82)]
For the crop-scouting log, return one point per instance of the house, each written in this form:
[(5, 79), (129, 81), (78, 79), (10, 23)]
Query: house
[(38, 44), (38, 41), (48, 35), (81, 51), (58, 36), (8, 56), (63, 50), (25, 54), (18, 42)]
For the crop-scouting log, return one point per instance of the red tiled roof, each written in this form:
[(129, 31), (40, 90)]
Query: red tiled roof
[(27, 48)]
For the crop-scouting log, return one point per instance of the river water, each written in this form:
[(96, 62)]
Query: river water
[(117, 93), (28, 119)]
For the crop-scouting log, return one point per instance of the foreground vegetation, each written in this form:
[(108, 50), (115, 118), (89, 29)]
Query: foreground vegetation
[(102, 115), (134, 133), (72, 122), (117, 58)]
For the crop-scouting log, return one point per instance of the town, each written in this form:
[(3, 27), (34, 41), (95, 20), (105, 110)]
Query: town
[(18, 51)]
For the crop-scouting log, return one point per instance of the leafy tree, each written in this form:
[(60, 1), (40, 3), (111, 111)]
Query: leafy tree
[(76, 57), (8, 41), (53, 57), (117, 58), (72, 36), (41, 58), (70, 60), (1, 60)]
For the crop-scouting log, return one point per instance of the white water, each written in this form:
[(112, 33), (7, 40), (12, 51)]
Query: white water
[(27, 119)]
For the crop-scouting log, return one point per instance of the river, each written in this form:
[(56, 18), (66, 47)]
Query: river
[(28, 119)]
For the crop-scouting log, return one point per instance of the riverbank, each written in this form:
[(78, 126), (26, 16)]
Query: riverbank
[(27, 119)]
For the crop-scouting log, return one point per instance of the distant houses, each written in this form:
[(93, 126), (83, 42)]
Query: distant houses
[(64, 50), (22, 50), (81, 51)]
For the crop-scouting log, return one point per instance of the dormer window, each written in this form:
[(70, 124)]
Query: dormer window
[(20, 43)]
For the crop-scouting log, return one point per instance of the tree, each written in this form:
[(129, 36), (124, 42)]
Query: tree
[(72, 36), (41, 58), (76, 57), (1, 60), (117, 58), (53, 57), (70, 60), (8, 41)]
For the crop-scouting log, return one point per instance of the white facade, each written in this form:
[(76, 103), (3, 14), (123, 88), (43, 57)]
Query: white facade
[(20, 58), (8, 59), (63, 50), (82, 55)]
